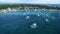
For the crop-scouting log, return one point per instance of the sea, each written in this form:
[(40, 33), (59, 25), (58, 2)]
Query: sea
[(19, 22)]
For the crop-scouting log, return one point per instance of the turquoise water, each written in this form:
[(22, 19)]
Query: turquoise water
[(16, 22)]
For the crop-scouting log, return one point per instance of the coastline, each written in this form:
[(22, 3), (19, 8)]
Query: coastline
[(26, 10), (25, 7)]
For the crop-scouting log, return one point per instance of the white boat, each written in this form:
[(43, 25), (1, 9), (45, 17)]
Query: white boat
[(34, 25)]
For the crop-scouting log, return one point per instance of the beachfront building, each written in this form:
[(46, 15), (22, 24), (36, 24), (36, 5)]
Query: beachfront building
[(3, 10), (31, 8), (9, 9)]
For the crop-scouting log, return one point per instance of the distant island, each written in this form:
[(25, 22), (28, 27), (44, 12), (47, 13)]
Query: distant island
[(15, 7)]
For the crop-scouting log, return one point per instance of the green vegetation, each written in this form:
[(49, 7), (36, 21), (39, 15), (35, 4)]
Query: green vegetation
[(5, 6)]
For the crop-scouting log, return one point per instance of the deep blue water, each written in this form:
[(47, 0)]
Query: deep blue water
[(16, 22)]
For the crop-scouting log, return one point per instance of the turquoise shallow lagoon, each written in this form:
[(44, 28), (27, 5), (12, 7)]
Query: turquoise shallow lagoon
[(16, 22)]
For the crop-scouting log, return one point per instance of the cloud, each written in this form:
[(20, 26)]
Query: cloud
[(46, 1), (32, 1), (9, 0)]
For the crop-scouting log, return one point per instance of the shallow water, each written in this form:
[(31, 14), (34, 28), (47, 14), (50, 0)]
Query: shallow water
[(16, 22)]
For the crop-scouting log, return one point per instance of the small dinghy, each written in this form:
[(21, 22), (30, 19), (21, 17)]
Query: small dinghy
[(34, 25)]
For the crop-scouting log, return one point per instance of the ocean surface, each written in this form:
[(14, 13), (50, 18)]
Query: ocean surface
[(48, 22)]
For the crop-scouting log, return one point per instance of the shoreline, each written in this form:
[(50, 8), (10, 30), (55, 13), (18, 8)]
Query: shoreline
[(26, 10)]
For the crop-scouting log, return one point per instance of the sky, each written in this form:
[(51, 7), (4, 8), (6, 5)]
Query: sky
[(32, 1)]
